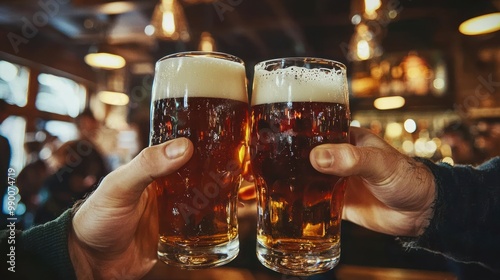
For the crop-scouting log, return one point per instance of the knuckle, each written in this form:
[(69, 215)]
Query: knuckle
[(349, 159), (144, 160)]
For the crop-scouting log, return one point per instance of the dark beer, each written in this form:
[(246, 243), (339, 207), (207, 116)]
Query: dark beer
[(300, 209), (197, 204), (194, 202)]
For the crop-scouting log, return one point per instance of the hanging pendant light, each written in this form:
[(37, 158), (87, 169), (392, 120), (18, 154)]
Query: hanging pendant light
[(101, 54), (169, 22), (480, 17), (113, 97), (102, 57), (364, 44), (481, 24)]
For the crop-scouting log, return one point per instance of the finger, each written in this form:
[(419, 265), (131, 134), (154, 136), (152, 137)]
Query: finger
[(371, 159), (127, 183)]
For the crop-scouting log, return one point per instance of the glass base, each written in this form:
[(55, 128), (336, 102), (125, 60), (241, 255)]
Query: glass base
[(196, 257), (298, 263)]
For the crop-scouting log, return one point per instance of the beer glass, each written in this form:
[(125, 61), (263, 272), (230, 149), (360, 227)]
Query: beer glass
[(297, 104), (201, 96)]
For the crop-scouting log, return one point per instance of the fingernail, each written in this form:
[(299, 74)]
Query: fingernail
[(176, 148), (323, 158)]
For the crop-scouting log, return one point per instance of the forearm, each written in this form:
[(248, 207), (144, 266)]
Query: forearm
[(466, 224)]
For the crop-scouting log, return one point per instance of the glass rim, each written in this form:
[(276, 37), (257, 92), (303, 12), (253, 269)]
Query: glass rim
[(303, 59), (220, 55)]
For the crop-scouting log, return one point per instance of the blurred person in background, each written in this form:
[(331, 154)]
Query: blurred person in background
[(488, 136), (76, 167), (40, 165), (81, 169), (104, 139), (458, 136), (30, 181), (88, 126)]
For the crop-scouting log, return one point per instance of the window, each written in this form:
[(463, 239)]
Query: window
[(65, 131), (14, 129), (14, 81), (60, 95)]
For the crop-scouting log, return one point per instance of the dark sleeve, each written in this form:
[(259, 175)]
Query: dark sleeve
[(466, 222), (40, 252), (5, 158)]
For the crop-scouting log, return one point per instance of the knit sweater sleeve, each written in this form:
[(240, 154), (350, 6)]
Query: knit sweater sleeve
[(466, 221), (49, 243)]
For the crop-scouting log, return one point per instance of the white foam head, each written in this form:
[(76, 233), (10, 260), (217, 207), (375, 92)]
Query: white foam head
[(299, 84), (199, 76)]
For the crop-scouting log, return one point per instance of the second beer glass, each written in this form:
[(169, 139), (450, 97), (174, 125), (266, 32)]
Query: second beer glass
[(297, 104), (203, 97)]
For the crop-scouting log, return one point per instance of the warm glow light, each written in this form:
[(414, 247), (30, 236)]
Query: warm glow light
[(438, 83), (149, 30), (389, 102), (420, 147), (410, 125), (448, 160), (430, 147), (445, 150), (355, 123), (168, 23), (356, 19), (371, 6), (363, 50), (105, 60), (481, 24), (393, 130), (117, 7), (407, 146), (207, 42), (393, 14), (437, 141), (364, 44), (113, 98)]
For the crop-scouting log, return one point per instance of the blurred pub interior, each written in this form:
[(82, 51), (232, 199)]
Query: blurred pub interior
[(413, 76)]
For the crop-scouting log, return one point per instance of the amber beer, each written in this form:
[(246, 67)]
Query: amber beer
[(200, 96), (294, 109)]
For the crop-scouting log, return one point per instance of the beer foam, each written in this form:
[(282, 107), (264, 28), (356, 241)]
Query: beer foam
[(199, 76), (298, 84)]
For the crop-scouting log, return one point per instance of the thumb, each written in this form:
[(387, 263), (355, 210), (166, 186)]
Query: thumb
[(342, 159), (371, 157), (126, 184)]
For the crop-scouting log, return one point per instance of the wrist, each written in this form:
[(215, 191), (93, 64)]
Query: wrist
[(426, 212), (81, 265)]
